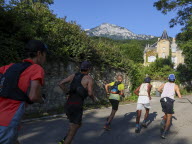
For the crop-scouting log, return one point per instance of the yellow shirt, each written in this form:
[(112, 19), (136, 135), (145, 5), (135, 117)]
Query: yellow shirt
[(116, 96)]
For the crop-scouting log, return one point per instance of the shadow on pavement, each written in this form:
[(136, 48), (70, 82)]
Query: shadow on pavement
[(92, 132)]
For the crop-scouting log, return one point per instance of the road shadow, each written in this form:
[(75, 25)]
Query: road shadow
[(92, 132), (151, 118)]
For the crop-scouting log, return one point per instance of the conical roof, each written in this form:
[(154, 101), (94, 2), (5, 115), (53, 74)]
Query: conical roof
[(164, 35)]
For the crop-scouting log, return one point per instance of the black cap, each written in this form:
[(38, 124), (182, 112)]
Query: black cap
[(147, 80), (36, 45), (85, 65)]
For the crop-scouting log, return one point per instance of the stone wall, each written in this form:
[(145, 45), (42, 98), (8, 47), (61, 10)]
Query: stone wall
[(58, 71), (156, 84)]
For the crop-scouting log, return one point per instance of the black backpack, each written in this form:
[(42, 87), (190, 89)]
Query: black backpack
[(76, 86), (114, 88), (9, 83)]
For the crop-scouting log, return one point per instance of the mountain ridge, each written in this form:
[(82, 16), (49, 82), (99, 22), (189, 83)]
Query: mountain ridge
[(115, 32)]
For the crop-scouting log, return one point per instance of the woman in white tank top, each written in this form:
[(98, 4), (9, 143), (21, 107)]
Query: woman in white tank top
[(143, 94), (143, 91)]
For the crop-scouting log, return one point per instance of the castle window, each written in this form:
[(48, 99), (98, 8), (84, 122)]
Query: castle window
[(163, 55), (151, 58), (174, 59)]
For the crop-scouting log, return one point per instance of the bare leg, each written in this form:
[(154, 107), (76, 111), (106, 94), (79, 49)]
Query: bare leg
[(71, 133), (146, 114), (138, 116), (168, 122), (164, 120), (110, 118)]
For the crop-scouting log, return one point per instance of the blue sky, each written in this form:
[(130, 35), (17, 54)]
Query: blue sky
[(139, 16)]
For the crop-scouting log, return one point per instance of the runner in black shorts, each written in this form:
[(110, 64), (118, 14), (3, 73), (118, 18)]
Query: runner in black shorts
[(114, 97), (114, 104), (81, 86), (167, 102)]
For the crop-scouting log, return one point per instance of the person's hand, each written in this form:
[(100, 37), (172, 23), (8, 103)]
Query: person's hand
[(150, 98), (122, 95)]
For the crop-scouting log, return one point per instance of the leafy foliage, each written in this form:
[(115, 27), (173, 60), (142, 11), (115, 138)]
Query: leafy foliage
[(185, 42), (183, 8), (160, 69), (22, 21), (184, 17)]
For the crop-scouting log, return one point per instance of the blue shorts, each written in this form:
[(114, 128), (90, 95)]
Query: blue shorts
[(9, 134)]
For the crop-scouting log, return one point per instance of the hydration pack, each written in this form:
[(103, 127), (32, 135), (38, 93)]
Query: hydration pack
[(114, 88), (77, 88), (9, 83)]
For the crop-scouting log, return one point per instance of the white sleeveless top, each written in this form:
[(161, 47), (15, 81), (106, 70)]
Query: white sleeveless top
[(143, 94), (143, 89), (168, 90)]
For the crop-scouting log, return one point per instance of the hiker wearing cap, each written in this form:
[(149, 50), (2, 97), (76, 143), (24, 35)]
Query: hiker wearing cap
[(116, 90), (167, 102), (20, 84), (143, 102), (81, 86)]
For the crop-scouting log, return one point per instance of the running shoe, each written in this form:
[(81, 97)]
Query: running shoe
[(163, 135), (107, 127), (137, 129), (144, 125), (62, 141), (162, 125)]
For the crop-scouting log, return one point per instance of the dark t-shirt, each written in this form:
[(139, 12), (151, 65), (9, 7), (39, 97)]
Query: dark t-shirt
[(77, 92)]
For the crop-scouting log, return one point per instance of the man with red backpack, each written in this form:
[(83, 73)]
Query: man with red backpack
[(20, 84), (117, 90)]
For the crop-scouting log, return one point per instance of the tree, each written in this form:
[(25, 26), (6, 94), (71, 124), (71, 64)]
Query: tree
[(47, 2), (182, 7), (184, 17), (31, 2)]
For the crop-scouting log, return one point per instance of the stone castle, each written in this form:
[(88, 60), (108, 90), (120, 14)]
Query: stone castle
[(163, 48)]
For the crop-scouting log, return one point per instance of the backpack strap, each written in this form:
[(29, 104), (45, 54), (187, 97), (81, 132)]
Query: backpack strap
[(9, 83)]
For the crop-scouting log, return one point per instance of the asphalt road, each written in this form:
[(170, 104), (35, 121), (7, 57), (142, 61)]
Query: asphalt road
[(50, 131)]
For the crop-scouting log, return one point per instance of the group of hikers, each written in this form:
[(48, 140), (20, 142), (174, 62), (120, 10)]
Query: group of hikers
[(21, 83)]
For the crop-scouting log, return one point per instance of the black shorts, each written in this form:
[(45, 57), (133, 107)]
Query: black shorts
[(114, 103), (74, 114), (167, 105)]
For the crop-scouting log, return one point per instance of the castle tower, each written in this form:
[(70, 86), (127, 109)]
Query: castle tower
[(163, 46)]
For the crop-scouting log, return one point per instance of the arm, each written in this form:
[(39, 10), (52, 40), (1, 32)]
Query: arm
[(90, 89), (178, 91), (35, 92), (160, 89), (121, 93), (137, 90), (149, 91), (66, 80), (107, 88)]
